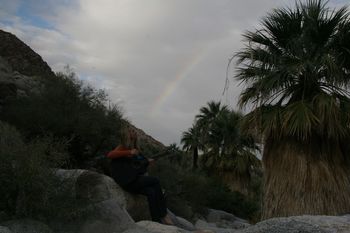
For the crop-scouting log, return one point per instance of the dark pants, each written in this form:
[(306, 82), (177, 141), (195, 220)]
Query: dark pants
[(150, 187)]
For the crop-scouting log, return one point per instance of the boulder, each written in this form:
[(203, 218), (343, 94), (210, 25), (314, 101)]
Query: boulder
[(302, 224), (137, 229), (4, 230), (203, 225), (232, 225), (223, 219), (181, 222), (26, 226), (104, 217), (93, 187), (160, 228), (103, 204)]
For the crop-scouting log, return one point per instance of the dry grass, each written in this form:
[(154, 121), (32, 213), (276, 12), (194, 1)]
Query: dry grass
[(305, 178)]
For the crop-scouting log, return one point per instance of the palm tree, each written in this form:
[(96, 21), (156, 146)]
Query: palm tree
[(209, 113), (238, 151), (205, 120), (191, 142), (296, 69)]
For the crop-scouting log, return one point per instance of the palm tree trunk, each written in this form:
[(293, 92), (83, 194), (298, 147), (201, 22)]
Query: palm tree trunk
[(305, 178)]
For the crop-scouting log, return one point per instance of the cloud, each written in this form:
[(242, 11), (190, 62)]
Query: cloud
[(162, 59)]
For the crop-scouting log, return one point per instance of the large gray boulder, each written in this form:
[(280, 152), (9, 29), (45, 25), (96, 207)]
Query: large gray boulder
[(93, 187), (223, 219), (297, 224), (4, 230), (302, 224), (203, 225), (181, 222), (160, 228), (25, 226), (137, 229), (103, 204), (105, 216)]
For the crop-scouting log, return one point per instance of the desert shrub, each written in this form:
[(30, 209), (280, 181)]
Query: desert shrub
[(70, 109), (170, 175), (28, 185), (190, 192), (204, 191)]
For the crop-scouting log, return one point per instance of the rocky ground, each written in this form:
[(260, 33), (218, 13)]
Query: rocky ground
[(108, 209)]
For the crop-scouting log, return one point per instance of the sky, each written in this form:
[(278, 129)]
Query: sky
[(160, 60)]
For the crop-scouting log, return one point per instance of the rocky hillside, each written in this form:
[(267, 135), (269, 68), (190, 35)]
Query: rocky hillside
[(21, 69), (147, 139), (21, 57)]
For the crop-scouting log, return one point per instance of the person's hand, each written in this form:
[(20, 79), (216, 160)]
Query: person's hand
[(134, 152)]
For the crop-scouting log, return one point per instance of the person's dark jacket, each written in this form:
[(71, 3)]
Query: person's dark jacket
[(126, 167)]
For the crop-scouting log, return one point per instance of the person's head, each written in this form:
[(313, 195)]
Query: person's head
[(128, 137)]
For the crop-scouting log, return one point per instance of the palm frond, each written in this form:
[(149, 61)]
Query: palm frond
[(295, 67)]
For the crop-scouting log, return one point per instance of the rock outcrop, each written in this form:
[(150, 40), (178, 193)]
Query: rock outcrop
[(15, 84), (20, 68), (147, 139), (21, 57)]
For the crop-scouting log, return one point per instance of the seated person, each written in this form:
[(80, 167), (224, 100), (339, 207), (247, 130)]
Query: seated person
[(128, 168)]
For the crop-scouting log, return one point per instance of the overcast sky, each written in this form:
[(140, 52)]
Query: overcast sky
[(161, 60)]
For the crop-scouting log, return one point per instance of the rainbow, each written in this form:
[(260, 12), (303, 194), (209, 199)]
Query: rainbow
[(173, 84)]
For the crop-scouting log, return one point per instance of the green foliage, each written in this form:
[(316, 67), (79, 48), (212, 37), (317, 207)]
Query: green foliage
[(227, 150), (28, 185), (190, 192), (228, 163), (67, 108), (191, 141)]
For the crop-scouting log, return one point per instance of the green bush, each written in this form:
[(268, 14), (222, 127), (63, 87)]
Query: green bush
[(190, 192), (68, 109), (28, 185)]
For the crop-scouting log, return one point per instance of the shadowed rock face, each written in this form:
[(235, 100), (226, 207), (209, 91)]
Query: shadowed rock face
[(21, 57), (20, 68)]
